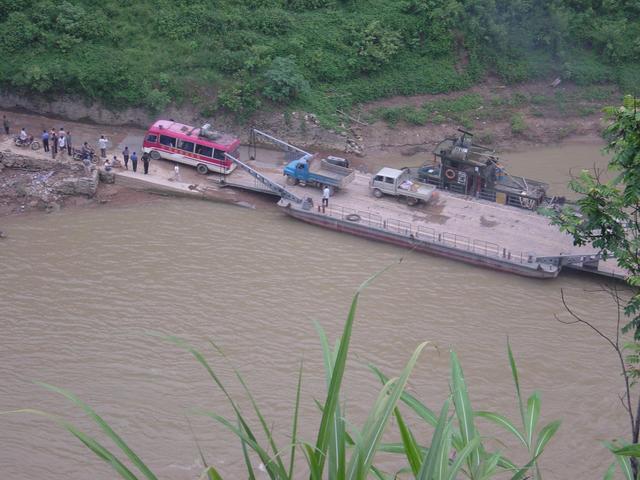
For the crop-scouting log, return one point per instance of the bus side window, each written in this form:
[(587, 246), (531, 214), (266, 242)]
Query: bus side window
[(152, 138), (186, 146), (168, 141), (218, 154), (204, 150)]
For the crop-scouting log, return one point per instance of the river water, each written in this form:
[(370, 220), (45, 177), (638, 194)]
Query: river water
[(84, 291)]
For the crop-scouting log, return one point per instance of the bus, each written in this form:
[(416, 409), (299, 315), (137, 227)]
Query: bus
[(202, 147)]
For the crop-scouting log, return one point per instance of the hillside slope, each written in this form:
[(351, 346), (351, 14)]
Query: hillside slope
[(240, 56)]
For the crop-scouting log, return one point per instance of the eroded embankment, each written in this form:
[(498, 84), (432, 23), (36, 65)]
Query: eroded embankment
[(30, 183)]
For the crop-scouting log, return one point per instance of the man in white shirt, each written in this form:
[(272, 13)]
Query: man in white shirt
[(326, 193), (62, 144), (102, 143), (23, 135)]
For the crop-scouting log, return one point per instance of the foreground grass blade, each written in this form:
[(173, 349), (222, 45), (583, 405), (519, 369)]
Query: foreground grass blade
[(533, 412), (411, 449), (463, 411), (275, 469), (333, 393), (104, 427), (547, 432), (416, 405), (256, 409), (336, 447), (516, 381), (377, 421), (503, 422), (211, 474), (429, 462), (294, 428), (92, 444)]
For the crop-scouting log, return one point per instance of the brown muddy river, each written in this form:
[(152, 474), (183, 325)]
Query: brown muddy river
[(82, 290)]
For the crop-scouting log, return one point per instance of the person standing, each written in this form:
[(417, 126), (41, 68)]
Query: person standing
[(326, 193), (69, 149), (125, 155), (45, 140), (176, 173), (5, 124), (134, 162), (86, 161), (53, 140), (145, 162), (102, 143), (62, 143)]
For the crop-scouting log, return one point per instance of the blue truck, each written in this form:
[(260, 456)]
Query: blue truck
[(310, 171)]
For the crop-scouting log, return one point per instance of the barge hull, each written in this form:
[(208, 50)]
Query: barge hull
[(526, 269)]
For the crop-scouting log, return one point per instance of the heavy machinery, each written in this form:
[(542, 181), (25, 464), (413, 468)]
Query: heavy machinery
[(464, 167)]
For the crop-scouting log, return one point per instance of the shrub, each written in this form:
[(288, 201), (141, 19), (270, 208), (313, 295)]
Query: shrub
[(518, 125), (17, 32), (586, 69), (284, 81), (240, 98), (374, 46), (302, 5)]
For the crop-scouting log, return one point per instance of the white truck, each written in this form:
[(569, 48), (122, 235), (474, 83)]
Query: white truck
[(400, 183)]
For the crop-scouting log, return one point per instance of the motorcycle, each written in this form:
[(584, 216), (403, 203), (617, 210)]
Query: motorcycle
[(79, 154), (29, 142)]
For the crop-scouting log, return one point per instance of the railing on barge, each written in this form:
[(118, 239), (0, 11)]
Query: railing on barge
[(430, 235)]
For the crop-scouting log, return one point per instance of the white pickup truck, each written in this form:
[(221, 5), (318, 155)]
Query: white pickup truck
[(400, 183)]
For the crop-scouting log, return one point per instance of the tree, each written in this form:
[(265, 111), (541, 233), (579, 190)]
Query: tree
[(608, 218)]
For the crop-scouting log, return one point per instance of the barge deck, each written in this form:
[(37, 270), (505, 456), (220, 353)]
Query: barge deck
[(463, 228)]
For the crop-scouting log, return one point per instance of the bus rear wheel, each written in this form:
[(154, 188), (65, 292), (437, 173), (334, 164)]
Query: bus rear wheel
[(202, 169), (154, 154)]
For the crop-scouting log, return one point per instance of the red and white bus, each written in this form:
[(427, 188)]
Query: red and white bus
[(201, 147)]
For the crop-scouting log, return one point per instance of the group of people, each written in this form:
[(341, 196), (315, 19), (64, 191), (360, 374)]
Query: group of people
[(133, 157), (60, 142), (57, 141)]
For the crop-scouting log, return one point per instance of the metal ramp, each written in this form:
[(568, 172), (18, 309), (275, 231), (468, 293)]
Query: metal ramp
[(270, 184), (292, 152)]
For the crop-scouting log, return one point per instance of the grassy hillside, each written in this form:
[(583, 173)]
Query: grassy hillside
[(319, 55)]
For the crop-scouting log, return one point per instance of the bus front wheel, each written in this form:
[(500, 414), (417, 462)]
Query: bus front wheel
[(154, 154), (202, 169)]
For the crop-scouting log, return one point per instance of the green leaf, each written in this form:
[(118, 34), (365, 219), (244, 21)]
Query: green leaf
[(294, 428), (429, 464), (410, 446), (503, 422), (628, 450), (516, 381), (211, 474), (104, 426), (92, 444), (533, 412), (610, 472), (547, 432), (333, 393), (380, 415), (463, 408), (416, 405)]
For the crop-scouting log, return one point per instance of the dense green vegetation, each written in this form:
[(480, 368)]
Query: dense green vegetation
[(320, 55)]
